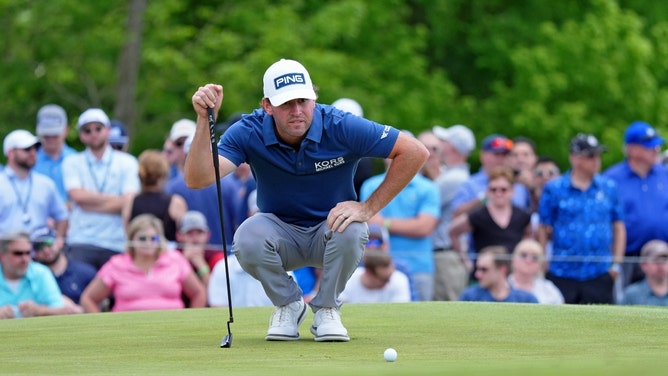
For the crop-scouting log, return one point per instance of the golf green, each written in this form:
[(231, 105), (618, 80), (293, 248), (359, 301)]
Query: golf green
[(439, 338)]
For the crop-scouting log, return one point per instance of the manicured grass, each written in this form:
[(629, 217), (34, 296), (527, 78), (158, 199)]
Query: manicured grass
[(436, 338)]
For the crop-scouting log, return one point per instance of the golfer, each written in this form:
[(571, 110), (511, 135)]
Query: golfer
[(303, 156)]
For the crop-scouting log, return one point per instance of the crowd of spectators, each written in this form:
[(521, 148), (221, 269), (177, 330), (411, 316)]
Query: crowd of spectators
[(89, 230)]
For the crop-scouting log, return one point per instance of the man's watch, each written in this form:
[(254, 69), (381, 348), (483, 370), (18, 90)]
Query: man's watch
[(616, 267)]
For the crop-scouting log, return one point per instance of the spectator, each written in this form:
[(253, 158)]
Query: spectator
[(653, 289), (72, 276), (169, 151), (451, 266), (471, 193), (246, 290), (643, 188), (27, 288), (193, 242), (498, 222), (52, 129), (527, 266), (492, 269), (295, 148), (29, 199), (147, 276), (581, 213), (522, 159), (377, 281), (180, 131), (152, 198), (431, 168), (544, 170), (118, 136), (98, 181), (410, 218)]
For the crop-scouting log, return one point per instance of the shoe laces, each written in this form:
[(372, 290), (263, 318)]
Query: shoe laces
[(329, 314), (282, 316)]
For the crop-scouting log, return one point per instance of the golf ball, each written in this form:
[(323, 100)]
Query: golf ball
[(390, 355)]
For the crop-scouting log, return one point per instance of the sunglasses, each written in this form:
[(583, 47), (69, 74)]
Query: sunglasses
[(39, 246), (545, 173), (89, 130), (20, 253), (498, 189), (529, 256), (146, 238), (179, 143), (117, 146), (482, 269)]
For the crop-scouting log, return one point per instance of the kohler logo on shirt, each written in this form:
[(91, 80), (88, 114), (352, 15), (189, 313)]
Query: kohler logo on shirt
[(325, 165)]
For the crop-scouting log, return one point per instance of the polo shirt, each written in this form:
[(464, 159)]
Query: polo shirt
[(53, 168), (582, 225), (645, 203), (301, 186), (38, 285), (479, 294), (640, 293), (36, 195), (75, 278), (115, 174), (135, 290)]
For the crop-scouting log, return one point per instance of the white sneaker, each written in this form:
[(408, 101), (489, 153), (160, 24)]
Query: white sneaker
[(327, 326), (284, 322)]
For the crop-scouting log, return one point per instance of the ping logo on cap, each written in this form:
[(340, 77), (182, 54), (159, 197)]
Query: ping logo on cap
[(289, 79)]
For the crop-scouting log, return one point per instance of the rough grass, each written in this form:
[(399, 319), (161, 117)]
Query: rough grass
[(431, 338)]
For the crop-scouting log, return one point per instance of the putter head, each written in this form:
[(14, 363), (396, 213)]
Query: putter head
[(227, 341)]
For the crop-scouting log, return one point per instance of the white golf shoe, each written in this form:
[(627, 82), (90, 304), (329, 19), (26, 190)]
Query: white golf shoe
[(327, 326), (284, 322)]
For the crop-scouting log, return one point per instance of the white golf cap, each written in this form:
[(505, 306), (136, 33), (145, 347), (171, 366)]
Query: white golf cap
[(349, 105), (19, 139), (286, 80), (459, 136), (182, 128), (93, 115), (51, 120)]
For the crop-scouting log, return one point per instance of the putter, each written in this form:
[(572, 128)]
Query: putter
[(227, 340)]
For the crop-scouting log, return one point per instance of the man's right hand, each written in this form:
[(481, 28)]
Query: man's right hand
[(207, 96)]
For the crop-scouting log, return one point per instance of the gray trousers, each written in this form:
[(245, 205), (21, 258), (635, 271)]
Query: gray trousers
[(267, 248)]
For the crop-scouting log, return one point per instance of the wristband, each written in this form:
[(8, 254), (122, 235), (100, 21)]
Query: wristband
[(204, 270), (387, 223), (617, 268)]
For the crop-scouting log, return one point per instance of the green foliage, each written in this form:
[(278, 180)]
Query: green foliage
[(545, 70)]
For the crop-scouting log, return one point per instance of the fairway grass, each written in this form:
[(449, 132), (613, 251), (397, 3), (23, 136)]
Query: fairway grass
[(436, 338)]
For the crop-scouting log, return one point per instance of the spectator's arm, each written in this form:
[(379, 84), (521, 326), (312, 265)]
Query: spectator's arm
[(93, 295), (194, 290), (98, 202), (459, 225), (416, 227)]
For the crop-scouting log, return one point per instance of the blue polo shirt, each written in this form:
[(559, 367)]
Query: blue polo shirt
[(640, 293), (301, 186), (582, 225), (479, 294), (75, 278), (38, 285), (53, 168), (645, 203)]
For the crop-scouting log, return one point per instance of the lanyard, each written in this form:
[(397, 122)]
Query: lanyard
[(100, 187), (23, 203)]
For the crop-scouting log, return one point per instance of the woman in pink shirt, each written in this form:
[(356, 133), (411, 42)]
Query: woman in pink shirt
[(147, 276)]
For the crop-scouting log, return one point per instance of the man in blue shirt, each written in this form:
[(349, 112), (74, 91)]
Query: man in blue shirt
[(643, 190), (72, 276), (492, 269), (26, 288), (653, 290), (303, 156), (52, 129), (582, 212)]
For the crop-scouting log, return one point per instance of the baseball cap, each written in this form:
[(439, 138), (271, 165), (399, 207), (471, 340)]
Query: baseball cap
[(182, 128), (51, 120), (44, 234), (460, 136), (349, 105), (117, 133), (497, 144), (654, 249), (286, 80), (643, 134), (19, 139), (193, 220), (93, 115), (586, 144)]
